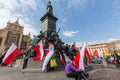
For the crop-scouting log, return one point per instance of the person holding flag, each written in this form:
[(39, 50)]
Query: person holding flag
[(76, 69), (71, 71), (49, 54), (11, 54), (27, 55)]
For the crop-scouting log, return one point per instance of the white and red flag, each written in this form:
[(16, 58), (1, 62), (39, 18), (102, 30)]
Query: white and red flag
[(79, 58), (61, 58), (48, 56), (87, 53), (67, 59), (11, 54), (97, 53), (39, 50)]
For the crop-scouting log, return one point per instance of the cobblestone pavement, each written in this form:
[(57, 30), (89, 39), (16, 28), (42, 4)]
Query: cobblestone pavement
[(105, 74), (9, 73)]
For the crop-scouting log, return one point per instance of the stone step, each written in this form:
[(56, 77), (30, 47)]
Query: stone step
[(88, 68), (101, 66), (34, 64), (31, 70)]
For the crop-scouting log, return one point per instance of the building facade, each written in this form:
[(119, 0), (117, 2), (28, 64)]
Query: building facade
[(13, 33), (106, 47), (102, 47)]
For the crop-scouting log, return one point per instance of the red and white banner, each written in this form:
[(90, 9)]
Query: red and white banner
[(61, 58), (87, 53), (48, 57), (40, 52), (11, 54), (97, 53), (67, 59), (79, 58)]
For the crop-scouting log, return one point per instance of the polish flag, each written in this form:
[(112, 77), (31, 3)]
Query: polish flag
[(47, 57), (46, 52), (76, 59), (61, 58), (67, 59), (40, 52), (97, 53), (11, 54), (79, 58), (87, 53)]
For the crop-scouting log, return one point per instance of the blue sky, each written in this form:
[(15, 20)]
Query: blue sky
[(79, 20)]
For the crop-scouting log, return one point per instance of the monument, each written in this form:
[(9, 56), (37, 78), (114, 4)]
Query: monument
[(47, 33)]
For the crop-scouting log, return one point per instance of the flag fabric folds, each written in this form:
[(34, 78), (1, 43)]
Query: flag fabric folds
[(97, 53), (11, 54), (48, 57), (76, 59), (39, 50), (79, 58), (87, 53), (61, 58), (67, 59), (46, 52)]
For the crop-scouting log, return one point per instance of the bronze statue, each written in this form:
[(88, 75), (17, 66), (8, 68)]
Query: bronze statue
[(49, 8)]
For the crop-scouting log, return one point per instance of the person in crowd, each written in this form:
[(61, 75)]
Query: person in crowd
[(52, 63), (117, 58), (28, 54), (74, 50), (112, 57), (73, 72), (66, 49)]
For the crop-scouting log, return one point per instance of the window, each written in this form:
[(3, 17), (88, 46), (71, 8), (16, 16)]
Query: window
[(23, 45), (12, 39)]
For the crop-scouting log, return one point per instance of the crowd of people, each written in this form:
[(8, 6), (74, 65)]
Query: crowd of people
[(70, 51)]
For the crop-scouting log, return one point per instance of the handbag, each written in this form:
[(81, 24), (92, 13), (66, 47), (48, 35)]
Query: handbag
[(53, 63)]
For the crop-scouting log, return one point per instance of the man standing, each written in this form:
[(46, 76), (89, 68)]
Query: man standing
[(28, 54)]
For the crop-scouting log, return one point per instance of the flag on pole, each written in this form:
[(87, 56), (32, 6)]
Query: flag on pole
[(61, 58), (87, 53), (11, 54), (46, 52), (76, 59), (48, 57), (79, 58), (67, 59), (39, 50), (97, 53)]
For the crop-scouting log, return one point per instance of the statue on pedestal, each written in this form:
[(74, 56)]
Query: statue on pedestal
[(49, 8)]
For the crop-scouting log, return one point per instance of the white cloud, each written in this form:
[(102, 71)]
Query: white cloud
[(76, 3), (102, 41), (5, 15), (13, 9), (69, 33), (29, 28), (28, 3), (79, 44), (112, 39), (9, 4)]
